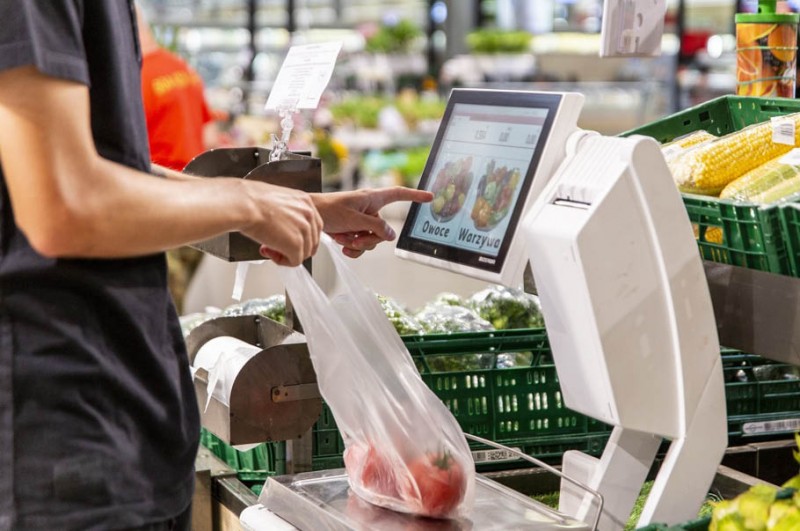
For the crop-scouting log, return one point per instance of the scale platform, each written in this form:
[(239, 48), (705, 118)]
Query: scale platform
[(323, 501)]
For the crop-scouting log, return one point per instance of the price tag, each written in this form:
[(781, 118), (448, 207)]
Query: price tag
[(783, 130), (792, 158), (494, 456), (303, 76), (772, 426)]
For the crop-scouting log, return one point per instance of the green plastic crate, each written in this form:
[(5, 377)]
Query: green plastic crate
[(762, 397), (729, 232), (499, 404), (257, 464), (790, 224), (521, 406), (739, 234)]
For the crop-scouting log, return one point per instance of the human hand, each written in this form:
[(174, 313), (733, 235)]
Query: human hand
[(352, 220), (287, 224)]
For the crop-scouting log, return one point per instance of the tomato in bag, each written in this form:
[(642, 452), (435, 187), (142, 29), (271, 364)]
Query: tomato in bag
[(405, 451), (432, 485), (440, 483), (373, 468)]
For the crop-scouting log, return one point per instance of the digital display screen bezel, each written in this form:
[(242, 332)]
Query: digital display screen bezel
[(498, 98)]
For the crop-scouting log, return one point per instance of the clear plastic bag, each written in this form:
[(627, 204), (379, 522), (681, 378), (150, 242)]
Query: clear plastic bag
[(507, 308), (404, 323), (438, 318), (707, 168), (772, 181), (677, 147), (450, 299), (273, 307), (191, 321), (404, 449)]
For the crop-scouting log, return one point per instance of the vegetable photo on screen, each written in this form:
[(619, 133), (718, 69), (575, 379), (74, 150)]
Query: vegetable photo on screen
[(450, 188), (495, 193)]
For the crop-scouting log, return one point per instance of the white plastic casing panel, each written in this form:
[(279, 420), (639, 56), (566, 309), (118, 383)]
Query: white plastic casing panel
[(622, 288), (632, 27)]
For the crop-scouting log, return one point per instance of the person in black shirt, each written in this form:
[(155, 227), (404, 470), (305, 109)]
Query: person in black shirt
[(98, 422)]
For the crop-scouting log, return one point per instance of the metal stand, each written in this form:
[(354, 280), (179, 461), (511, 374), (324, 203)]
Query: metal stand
[(274, 396), (295, 170), (285, 372)]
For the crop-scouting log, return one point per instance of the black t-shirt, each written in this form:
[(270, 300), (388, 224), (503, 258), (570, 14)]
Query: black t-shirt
[(98, 420)]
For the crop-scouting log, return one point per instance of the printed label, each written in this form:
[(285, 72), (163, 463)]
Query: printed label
[(783, 130), (303, 76), (494, 456), (771, 426)]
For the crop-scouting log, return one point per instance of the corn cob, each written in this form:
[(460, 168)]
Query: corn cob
[(781, 191), (678, 146), (760, 180), (708, 168), (710, 235), (714, 235)]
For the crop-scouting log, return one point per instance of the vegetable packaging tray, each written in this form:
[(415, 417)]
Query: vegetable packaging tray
[(296, 170)]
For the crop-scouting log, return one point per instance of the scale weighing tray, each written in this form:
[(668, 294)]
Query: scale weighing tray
[(323, 501)]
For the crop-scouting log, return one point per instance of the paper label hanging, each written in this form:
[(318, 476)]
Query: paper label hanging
[(303, 76)]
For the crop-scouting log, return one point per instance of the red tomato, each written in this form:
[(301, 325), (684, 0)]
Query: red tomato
[(353, 456), (378, 475), (441, 483), (376, 470)]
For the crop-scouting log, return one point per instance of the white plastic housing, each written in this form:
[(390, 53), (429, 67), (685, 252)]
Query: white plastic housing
[(629, 318), (632, 27)]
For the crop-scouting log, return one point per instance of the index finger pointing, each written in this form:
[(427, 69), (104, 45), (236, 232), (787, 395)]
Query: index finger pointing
[(400, 193)]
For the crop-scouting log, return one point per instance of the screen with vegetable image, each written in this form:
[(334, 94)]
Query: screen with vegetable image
[(479, 171)]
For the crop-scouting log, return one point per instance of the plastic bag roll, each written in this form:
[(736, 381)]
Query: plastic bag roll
[(223, 357)]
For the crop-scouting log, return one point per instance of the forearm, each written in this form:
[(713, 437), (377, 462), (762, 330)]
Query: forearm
[(123, 212), (71, 202), (166, 173)]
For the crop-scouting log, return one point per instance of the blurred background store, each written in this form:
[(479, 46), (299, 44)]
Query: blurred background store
[(400, 58)]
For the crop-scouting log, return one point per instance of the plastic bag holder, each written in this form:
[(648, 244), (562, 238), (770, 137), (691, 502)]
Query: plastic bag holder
[(275, 395), (296, 170)]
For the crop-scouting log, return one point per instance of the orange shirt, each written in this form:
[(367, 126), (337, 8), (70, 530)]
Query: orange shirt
[(175, 109)]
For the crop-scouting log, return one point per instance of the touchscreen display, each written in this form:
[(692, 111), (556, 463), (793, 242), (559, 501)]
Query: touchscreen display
[(479, 171)]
